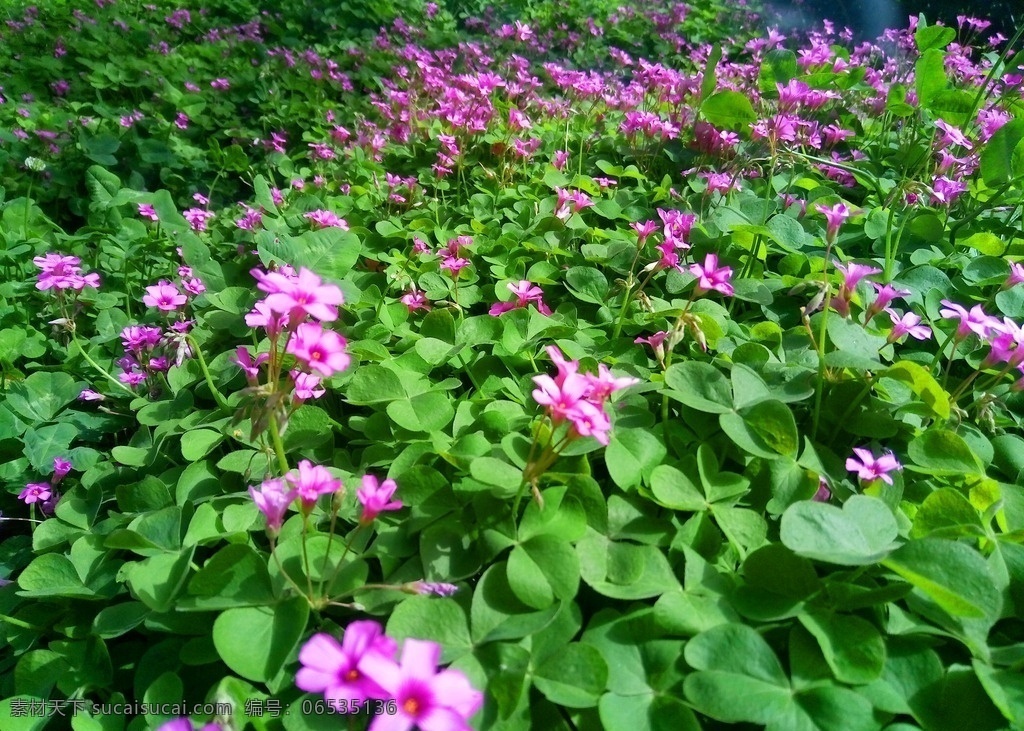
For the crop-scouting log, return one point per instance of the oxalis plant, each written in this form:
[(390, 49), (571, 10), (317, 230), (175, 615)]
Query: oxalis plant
[(562, 366)]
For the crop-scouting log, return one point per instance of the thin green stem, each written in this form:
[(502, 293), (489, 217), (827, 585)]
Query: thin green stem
[(222, 402), (820, 381), (305, 554), (285, 574), (275, 438), (98, 367)]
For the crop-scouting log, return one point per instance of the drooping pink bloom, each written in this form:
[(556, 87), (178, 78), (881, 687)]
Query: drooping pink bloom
[(975, 321), (244, 360), (307, 386), (88, 394), (337, 669), (643, 230), (852, 274), (712, 277), (35, 492), (415, 300), (375, 497), (1007, 344), (164, 296), (1016, 275), (604, 384), (835, 216), (432, 588), (273, 501), (946, 190), (869, 469), (657, 343), (908, 324), (311, 481), (146, 210), (886, 294), (426, 698), (305, 294), (824, 493), (318, 349)]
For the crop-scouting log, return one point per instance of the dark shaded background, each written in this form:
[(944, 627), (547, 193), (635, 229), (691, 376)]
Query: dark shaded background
[(868, 18)]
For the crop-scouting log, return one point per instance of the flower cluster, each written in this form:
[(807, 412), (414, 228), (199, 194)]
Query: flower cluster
[(452, 259), (45, 493), (1004, 337), (308, 482), (364, 666), (63, 272), (150, 350), (578, 398)]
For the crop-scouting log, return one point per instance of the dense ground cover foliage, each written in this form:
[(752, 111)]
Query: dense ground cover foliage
[(561, 367)]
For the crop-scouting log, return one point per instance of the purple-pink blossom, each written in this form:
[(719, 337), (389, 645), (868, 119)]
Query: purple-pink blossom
[(318, 349), (869, 468), (426, 697), (273, 501), (310, 481), (375, 497), (336, 668), (710, 276), (164, 296)]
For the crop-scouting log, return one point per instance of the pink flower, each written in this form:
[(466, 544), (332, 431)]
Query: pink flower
[(63, 272), (525, 293), (561, 158), (35, 492), (657, 343), (824, 493), (307, 386), (318, 349), (415, 300), (147, 211), (852, 274), (432, 588), (243, 359), (976, 321), (273, 502), (311, 481), (886, 294), (198, 218), (453, 265), (908, 324), (1016, 275), (61, 467), (426, 698), (869, 469), (835, 216), (261, 316), (303, 295), (164, 296), (336, 669), (90, 395), (326, 219), (643, 230), (604, 384), (375, 497), (711, 276)]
